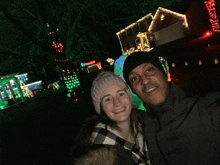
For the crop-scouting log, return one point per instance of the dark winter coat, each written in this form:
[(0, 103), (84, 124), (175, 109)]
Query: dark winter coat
[(184, 130)]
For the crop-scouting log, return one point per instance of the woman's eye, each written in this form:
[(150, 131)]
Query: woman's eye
[(107, 100), (121, 94)]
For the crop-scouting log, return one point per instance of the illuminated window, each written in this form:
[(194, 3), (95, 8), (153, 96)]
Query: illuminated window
[(162, 17)]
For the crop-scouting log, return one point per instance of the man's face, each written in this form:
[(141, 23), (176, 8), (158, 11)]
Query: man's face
[(149, 84)]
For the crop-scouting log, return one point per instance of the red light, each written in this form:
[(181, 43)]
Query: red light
[(76, 100), (74, 93), (208, 34)]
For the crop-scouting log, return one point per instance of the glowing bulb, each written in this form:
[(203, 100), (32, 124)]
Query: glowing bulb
[(162, 17)]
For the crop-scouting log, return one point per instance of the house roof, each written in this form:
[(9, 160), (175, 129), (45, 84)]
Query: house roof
[(170, 17)]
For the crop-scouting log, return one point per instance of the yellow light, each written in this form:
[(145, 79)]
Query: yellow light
[(173, 65), (159, 14), (162, 17), (186, 63), (216, 61), (128, 52), (200, 62)]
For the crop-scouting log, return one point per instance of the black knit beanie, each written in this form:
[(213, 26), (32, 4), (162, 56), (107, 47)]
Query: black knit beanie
[(137, 58)]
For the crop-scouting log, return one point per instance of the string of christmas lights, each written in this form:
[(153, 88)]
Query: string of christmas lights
[(210, 5), (71, 81), (165, 67)]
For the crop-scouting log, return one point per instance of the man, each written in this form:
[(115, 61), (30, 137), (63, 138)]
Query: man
[(178, 129)]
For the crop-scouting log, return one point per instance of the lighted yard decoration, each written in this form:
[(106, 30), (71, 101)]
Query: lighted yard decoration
[(11, 92), (71, 79), (210, 5), (134, 37), (91, 66), (26, 91), (165, 26)]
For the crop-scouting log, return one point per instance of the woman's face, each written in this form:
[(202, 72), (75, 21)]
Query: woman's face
[(116, 103)]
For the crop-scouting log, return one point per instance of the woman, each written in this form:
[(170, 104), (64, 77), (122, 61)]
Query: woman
[(116, 126)]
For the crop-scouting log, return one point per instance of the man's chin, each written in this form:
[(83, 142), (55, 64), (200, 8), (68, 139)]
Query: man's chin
[(155, 103)]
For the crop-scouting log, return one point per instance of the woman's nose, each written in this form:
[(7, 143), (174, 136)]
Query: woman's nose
[(117, 101)]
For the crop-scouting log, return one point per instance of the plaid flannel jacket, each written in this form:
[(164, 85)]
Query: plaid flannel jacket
[(103, 136)]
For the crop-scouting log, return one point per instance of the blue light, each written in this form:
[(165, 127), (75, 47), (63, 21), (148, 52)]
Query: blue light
[(83, 64)]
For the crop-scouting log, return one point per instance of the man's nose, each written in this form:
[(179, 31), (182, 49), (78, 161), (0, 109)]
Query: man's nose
[(145, 79)]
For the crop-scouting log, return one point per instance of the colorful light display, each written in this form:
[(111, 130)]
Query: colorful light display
[(210, 5), (99, 65), (71, 81), (50, 33), (26, 91), (118, 66), (58, 47), (88, 63), (61, 60), (56, 86), (110, 61), (165, 67)]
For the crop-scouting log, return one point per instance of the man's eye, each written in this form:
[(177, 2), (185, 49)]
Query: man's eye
[(134, 79), (149, 70)]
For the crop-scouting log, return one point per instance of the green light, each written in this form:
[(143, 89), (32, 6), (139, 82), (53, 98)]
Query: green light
[(2, 107), (47, 25), (57, 29), (53, 42)]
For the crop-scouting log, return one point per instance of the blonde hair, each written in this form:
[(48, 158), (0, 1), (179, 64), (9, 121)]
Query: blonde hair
[(98, 157)]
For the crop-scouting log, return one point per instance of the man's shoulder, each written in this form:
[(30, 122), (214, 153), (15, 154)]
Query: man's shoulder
[(210, 99), (138, 113)]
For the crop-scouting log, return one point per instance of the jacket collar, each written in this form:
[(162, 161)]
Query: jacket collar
[(171, 108)]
